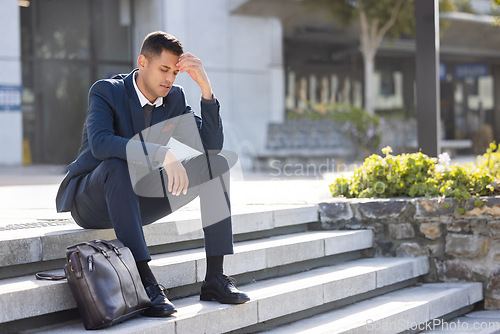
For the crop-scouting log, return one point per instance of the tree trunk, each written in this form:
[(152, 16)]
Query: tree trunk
[(371, 37), (369, 68)]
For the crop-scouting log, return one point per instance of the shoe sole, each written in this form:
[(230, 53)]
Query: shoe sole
[(207, 297), (159, 314)]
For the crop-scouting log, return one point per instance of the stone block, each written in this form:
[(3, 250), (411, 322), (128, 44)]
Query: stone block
[(354, 225), (251, 222), (19, 251), (25, 298), (467, 245), (178, 230), (480, 227), (55, 244), (494, 228), (401, 231), (348, 241), (334, 212), (239, 262), (295, 216), (285, 254), (431, 231), (493, 283), (459, 226), (453, 270), (474, 290), (174, 274), (276, 251), (297, 299), (446, 300), (491, 303), (436, 249), (490, 208), (383, 209), (383, 247), (394, 312), (350, 282), (493, 315), (431, 208), (377, 228), (401, 269), (410, 249), (195, 316)]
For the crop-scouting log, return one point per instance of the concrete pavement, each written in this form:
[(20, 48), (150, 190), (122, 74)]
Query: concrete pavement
[(27, 194)]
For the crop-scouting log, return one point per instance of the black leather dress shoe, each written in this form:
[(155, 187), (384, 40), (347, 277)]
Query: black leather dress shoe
[(161, 306), (223, 289)]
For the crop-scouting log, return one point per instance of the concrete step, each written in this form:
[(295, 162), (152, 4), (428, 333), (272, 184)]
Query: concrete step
[(41, 245), (29, 297), (274, 298), (478, 322), (408, 309)]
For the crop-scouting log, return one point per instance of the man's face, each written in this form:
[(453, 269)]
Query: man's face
[(157, 75)]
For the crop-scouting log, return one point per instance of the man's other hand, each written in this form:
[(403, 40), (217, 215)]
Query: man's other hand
[(177, 177), (192, 65)]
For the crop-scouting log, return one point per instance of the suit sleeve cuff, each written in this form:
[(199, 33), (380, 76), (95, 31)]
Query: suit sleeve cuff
[(159, 156), (213, 100)]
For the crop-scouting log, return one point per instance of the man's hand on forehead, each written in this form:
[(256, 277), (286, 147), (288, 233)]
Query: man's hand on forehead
[(193, 66)]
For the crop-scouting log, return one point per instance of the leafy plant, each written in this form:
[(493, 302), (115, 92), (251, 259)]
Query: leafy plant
[(418, 175), (490, 161)]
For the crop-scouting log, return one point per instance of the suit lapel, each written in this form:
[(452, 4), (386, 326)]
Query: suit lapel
[(136, 111)]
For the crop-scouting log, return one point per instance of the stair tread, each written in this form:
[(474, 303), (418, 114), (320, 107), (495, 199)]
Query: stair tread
[(393, 312), (9, 284), (188, 267), (49, 243), (275, 297), (478, 322)]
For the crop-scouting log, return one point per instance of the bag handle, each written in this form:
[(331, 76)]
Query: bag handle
[(111, 245), (49, 277)]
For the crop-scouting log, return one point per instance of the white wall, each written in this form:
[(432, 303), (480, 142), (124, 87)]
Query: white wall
[(242, 56), (11, 129)]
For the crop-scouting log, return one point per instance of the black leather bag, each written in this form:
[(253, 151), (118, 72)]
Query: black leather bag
[(105, 283)]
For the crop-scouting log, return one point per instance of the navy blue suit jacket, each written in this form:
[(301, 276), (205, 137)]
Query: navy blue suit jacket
[(115, 118)]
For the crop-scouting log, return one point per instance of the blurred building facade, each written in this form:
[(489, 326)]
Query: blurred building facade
[(265, 58), (323, 65), (60, 47)]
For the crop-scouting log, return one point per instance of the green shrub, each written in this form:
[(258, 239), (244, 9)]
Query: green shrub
[(418, 175), (490, 161)]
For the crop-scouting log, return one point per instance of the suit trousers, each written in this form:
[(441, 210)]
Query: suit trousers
[(106, 198)]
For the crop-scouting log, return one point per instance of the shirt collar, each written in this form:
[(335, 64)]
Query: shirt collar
[(142, 99)]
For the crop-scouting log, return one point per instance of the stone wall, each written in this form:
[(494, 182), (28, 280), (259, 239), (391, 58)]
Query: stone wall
[(460, 247)]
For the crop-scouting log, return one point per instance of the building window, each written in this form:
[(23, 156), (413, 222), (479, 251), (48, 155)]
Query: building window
[(66, 46)]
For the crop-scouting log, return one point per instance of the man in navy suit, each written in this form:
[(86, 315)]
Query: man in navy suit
[(126, 176)]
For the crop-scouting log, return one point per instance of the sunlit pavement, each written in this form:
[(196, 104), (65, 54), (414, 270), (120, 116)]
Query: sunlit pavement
[(27, 193)]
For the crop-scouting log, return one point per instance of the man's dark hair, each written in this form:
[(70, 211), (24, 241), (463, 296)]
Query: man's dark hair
[(157, 41)]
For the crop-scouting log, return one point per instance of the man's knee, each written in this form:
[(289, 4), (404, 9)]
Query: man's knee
[(114, 168), (218, 164)]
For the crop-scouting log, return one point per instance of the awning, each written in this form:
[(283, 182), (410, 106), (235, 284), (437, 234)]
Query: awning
[(467, 34)]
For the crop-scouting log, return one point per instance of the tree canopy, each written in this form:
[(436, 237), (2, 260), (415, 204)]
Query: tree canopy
[(379, 13), (377, 19)]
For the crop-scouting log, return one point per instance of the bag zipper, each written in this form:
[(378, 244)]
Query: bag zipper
[(91, 262)]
